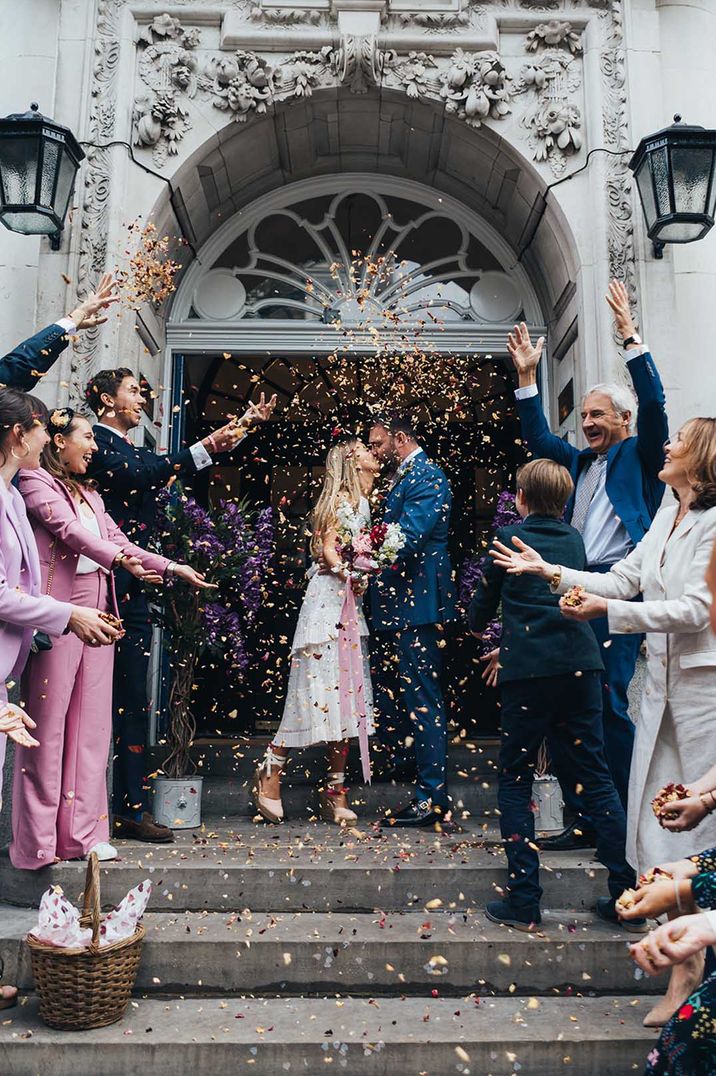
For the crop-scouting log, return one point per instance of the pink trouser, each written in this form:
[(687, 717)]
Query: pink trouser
[(3, 738), (59, 803)]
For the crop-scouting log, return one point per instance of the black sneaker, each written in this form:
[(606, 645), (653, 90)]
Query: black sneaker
[(606, 910), (502, 911)]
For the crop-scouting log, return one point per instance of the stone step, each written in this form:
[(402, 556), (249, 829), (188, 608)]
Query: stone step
[(224, 797), (363, 954), (600, 1036), (315, 867)]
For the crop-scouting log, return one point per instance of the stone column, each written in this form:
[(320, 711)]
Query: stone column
[(678, 292)]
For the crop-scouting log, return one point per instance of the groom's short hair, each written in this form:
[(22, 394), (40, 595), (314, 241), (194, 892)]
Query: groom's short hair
[(396, 424)]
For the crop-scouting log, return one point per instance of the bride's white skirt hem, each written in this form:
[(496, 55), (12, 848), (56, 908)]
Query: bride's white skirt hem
[(312, 713)]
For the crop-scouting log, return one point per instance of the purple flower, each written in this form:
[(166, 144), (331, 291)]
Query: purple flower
[(472, 571)]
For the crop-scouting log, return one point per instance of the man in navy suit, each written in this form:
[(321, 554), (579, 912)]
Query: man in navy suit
[(26, 365), (410, 603), (617, 494), (129, 479)]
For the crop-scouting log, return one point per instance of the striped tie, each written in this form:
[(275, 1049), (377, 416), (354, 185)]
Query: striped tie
[(586, 488)]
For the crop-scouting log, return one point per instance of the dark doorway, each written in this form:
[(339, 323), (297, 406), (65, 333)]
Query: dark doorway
[(282, 464)]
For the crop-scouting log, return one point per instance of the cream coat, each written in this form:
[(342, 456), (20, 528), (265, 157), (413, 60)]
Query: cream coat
[(676, 730)]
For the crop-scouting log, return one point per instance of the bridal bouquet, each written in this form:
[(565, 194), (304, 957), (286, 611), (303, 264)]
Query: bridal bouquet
[(366, 550)]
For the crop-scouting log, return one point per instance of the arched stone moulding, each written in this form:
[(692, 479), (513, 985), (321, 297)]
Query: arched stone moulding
[(187, 61)]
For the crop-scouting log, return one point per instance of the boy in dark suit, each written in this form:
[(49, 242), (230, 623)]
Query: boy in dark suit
[(550, 683)]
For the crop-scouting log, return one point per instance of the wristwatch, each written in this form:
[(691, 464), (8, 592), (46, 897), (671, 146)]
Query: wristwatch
[(632, 340)]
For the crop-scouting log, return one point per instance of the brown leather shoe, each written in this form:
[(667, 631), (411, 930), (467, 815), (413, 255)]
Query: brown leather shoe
[(147, 830)]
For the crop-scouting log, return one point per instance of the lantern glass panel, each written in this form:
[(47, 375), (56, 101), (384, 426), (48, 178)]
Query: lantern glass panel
[(681, 231), (691, 167), (51, 152), (646, 190), (18, 165), (65, 183), (660, 171), (29, 223)]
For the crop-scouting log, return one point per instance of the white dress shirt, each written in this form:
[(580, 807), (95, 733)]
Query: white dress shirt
[(85, 565), (199, 454), (605, 537)]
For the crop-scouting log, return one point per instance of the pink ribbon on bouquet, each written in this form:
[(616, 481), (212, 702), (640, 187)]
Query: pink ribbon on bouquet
[(350, 675)]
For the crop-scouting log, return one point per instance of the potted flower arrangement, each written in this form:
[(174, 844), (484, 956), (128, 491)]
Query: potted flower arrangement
[(233, 546)]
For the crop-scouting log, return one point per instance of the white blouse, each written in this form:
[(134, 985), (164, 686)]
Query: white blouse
[(85, 565)]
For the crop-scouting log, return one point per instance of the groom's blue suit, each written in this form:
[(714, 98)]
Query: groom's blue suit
[(409, 604)]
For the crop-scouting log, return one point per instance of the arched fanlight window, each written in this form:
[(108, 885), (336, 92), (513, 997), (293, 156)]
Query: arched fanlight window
[(356, 258)]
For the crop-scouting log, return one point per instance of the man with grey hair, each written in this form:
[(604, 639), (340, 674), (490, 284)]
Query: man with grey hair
[(617, 494)]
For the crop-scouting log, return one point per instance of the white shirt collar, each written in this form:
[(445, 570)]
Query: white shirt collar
[(111, 430), (409, 459)]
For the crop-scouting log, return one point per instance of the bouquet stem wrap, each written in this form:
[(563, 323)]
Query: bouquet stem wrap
[(350, 675)]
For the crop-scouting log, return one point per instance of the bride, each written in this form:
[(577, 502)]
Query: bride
[(312, 712)]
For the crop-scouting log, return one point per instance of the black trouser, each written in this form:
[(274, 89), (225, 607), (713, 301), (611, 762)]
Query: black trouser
[(569, 709), (131, 708)]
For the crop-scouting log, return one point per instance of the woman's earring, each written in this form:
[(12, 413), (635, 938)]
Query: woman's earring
[(15, 456)]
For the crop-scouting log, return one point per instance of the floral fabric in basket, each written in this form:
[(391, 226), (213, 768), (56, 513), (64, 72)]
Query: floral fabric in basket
[(59, 921)]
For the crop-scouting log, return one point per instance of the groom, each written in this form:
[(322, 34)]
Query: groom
[(411, 601)]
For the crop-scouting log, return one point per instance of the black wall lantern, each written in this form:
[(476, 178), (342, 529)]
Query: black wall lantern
[(39, 160), (674, 171)]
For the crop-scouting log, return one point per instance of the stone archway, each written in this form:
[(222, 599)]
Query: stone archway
[(397, 145), (390, 134)]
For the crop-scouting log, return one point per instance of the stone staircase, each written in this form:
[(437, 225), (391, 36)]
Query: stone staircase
[(304, 949)]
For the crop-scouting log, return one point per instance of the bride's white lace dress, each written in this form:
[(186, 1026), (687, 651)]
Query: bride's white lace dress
[(312, 712)]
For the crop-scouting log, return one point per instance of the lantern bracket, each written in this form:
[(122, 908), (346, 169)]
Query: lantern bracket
[(658, 245)]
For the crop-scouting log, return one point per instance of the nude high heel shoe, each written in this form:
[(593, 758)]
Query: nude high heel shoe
[(270, 810), (685, 978), (329, 811)]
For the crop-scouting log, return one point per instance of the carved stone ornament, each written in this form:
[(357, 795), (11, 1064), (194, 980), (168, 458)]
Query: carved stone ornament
[(436, 20), (418, 75), (475, 86), (168, 68), (285, 16), (615, 120), (242, 83), (553, 120), (359, 63), (553, 34)]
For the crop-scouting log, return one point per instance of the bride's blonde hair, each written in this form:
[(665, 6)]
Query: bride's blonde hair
[(341, 483)]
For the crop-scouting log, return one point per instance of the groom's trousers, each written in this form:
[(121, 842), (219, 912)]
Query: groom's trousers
[(410, 706)]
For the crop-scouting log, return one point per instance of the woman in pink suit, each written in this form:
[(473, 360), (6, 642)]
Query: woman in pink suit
[(60, 808), (23, 608)]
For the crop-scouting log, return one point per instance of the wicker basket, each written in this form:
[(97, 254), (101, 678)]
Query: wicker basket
[(87, 987)]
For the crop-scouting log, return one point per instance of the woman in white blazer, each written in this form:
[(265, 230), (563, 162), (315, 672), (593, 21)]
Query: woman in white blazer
[(674, 732)]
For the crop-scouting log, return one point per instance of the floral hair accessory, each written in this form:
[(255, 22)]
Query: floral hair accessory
[(60, 418)]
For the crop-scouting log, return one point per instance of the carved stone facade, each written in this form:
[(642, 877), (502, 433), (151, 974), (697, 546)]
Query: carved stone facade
[(502, 100)]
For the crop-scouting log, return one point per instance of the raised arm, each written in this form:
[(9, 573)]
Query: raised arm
[(138, 471), (688, 613), (622, 581), (540, 440), (652, 426), (27, 363)]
